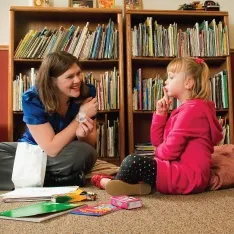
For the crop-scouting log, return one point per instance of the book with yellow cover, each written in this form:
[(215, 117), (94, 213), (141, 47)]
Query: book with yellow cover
[(106, 3)]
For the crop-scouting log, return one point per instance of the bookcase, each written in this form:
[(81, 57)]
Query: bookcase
[(24, 19), (150, 62)]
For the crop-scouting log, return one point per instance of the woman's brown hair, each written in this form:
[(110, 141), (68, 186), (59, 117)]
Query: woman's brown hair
[(52, 66), (198, 70)]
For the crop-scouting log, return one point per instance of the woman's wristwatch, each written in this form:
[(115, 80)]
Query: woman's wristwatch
[(81, 117)]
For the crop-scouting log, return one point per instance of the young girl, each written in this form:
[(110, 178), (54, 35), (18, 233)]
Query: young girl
[(183, 142), (51, 113)]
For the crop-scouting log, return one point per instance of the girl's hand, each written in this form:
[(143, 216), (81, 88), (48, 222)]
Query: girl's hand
[(85, 128), (163, 104), (89, 107)]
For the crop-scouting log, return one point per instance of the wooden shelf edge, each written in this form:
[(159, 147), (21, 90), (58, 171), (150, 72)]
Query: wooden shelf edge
[(109, 158), (152, 111), (171, 58), (66, 9), (108, 111), (114, 160), (166, 60), (4, 47), (99, 112), (81, 60), (218, 58), (177, 12)]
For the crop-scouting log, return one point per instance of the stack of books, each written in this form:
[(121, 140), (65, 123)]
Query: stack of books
[(144, 149)]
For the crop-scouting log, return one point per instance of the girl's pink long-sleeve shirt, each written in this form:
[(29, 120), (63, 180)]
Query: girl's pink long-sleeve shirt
[(184, 144)]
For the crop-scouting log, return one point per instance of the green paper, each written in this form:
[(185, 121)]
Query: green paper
[(37, 209)]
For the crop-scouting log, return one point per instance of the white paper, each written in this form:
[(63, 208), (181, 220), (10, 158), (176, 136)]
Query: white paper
[(29, 166), (38, 192)]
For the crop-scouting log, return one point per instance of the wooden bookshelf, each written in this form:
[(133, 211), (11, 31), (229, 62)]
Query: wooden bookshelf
[(139, 121), (22, 19)]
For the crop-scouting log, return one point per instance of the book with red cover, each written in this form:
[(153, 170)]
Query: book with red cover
[(95, 210)]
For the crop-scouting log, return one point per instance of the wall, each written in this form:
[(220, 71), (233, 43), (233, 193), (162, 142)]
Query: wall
[(226, 5), (3, 92)]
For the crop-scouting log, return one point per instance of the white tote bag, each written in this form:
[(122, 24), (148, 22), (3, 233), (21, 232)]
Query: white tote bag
[(29, 166)]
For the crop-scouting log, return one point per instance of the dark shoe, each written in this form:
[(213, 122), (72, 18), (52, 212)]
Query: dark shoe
[(75, 179)]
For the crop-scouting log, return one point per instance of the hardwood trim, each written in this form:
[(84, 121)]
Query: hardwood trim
[(129, 84), (230, 99), (121, 89), (4, 93), (178, 12), (4, 47), (80, 60), (66, 9), (10, 76)]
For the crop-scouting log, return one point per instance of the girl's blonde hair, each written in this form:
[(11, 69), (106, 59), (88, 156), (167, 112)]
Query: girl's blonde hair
[(198, 70), (54, 65)]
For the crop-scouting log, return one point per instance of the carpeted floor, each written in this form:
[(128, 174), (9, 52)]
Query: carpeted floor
[(210, 212)]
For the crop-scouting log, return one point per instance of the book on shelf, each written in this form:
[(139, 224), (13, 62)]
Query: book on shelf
[(107, 86), (21, 83), (108, 138), (106, 3), (219, 89), (35, 193), (148, 91), (144, 149), (102, 43), (225, 126), (38, 212), (206, 39)]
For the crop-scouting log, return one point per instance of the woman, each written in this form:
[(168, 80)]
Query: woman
[(52, 111)]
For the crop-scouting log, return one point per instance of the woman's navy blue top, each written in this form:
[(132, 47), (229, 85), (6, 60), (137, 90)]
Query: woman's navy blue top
[(34, 113)]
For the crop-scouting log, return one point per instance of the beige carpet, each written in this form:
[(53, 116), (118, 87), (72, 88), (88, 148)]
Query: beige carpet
[(211, 212)]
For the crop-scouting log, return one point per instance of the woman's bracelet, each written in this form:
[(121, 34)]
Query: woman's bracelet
[(81, 117)]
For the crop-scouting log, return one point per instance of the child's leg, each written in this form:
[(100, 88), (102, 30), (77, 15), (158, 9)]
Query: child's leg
[(136, 168), (133, 169)]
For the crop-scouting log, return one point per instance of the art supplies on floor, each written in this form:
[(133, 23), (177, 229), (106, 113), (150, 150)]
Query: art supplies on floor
[(38, 212), (95, 210), (35, 193), (76, 196)]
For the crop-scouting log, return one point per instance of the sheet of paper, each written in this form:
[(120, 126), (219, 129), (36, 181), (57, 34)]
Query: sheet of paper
[(39, 191)]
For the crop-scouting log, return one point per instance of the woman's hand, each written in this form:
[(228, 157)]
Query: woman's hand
[(163, 104), (85, 128), (89, 107)]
